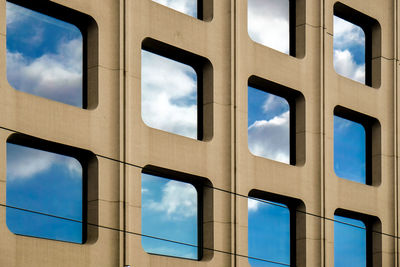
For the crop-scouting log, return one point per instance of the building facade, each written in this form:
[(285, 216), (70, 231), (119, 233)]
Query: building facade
[(116, 146)]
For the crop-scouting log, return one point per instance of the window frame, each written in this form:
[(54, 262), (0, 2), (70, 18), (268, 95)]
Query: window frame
[(296, 103), (90, 43), (89, 164), (372, 31), (373, 230), (297, 213), (204, 190), (297, 32), (372, 142), (204, 70)]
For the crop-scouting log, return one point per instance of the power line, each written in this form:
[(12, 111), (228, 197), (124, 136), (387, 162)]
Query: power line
[(140, 234), (229, 192), (237, 194)]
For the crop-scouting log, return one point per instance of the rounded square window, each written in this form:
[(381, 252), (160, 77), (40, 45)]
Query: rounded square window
[(47, 52), (47, 190)]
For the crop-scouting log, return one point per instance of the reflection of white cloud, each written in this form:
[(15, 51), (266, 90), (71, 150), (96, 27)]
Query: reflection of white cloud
[(275, 104), (342, 124), (73, 165), (253, 205), (55, 76), (178, 201), (347, 34), (188, 7), (268, 23), (144, 190), (346, 66), (26, 163), (169, 93), (347, 37), (15, 14), (270, 139)]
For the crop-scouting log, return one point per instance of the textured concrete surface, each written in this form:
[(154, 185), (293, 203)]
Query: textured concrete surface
[(112, 127)]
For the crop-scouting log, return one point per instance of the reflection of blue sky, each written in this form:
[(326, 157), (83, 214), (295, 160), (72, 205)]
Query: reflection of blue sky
[(169, 95), (188, 7), (349, 50), (268, 125), (48, 183), (44, 56), (350, 243), (349, 149), (169, 211), (269, 233)]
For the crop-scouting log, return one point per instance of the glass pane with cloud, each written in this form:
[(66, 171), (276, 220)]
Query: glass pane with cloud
[(349, 150), (169, 95), (268, 23), (268, 125), (349, 49), (350, 246), (44, 56), (48, 183), (188, 7), (268, 233), (169, 211)]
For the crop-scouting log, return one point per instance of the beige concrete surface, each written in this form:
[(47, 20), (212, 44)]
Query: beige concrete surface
[(112, 127)]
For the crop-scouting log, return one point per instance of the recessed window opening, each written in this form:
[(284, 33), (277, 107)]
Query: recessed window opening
[(50, 179), (349, 50), (356, 146), (356, 45), (356, 240), (350, 242), (176, 91), (46, 51), (268, 125), (269, 232), (173, 210), (274, 228), (273, 23), (200, 9), (272, 121)]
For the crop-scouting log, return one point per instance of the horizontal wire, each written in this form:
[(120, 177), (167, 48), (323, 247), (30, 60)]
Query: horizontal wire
[(232, 193), (237, 194), (139, 234)]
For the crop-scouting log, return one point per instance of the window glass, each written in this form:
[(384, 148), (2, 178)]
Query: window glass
[(188, 7), (169, 95), (349, 49), (349, 150), (169, 212), (350, 242), (44, 56), (268, 233), (268, 23), (268, 125), (47, 183)]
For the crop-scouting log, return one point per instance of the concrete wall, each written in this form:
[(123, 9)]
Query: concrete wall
[(112, 127)]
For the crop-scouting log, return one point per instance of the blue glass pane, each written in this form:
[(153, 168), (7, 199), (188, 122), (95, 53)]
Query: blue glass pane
[(349, 49), (48, 183), (169, 95), (169, 211), (349, 150), (350, 242), (44, 56), (268, 125), (268, 233)]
